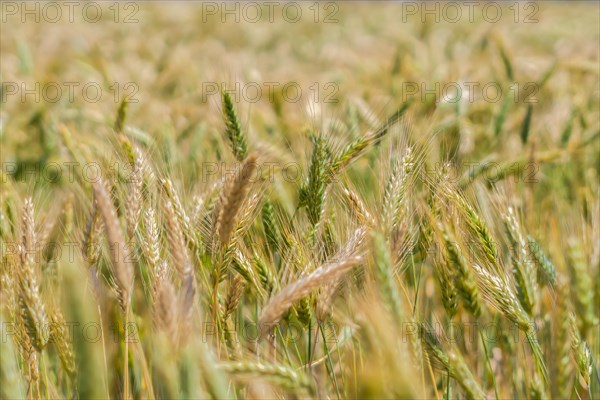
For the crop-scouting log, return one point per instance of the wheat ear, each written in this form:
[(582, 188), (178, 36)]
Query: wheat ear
[(165, 305), (501, 295), (182, 216), (279, 374), (523, 268), (119, 254), (581, 350), (283, 300), (232, 199), (233, 130), (151, 243), (546, 269), (32, 305), (465, 282), (476, 225)]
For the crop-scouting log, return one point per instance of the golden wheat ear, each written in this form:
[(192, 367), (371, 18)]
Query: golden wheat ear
[(232, 198), (32, 306), (295, 291), (120, 255)]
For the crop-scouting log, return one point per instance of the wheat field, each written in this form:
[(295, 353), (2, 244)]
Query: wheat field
[(300, 200)]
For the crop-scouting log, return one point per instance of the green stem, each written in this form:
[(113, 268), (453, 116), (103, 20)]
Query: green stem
[(309, 356), (126, 357), (489, 364), (448, 384), (418, 284), (330, 363), (287, 355)]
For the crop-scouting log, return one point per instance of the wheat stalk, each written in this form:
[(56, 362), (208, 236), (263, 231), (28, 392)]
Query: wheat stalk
[(279, 374), (175, 237), (465, 282), (233, 131), (165, 305), (283, 300), (583, 293), (182, 216), (546, 269), (501, 295), (236, 289), (59, 337), (151, 243), (523, 268), (119, 254), (93, 236), (454, 363), (477, 226), (32, 306), (232, 199), (581, 350)]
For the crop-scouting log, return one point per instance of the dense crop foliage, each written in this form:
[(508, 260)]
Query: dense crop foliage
[(182, 238)]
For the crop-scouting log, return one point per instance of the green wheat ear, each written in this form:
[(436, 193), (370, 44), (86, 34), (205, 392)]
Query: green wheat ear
[(233, 131), (475, 223), (452, 362), (465, 281), (448, 290), (313, 194), (582, 284), (121, 115), (524, 273), (270, 226), (385, 277), (546, 269), (279, 374), (525, 127), (357, 147)]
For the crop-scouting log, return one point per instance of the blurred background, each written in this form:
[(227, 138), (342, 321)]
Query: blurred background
[(293, 66)]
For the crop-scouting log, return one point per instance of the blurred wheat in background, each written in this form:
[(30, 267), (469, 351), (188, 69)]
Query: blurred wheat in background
[(300, 200)]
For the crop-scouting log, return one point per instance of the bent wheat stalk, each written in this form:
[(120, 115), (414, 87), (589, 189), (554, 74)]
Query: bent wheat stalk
[(283, 300), (279, 374)]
